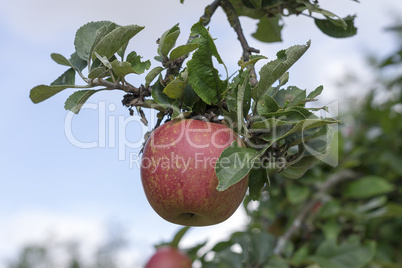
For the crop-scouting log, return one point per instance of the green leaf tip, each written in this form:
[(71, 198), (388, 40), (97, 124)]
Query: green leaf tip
[(340, 28), (269, 30), (168, 40)]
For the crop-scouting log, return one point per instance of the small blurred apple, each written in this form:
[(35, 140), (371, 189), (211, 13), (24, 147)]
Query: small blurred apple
[(169, 257)]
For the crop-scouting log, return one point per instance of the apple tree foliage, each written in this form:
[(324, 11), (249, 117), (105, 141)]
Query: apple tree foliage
[(348, 216), (354, 221), (271, 116)]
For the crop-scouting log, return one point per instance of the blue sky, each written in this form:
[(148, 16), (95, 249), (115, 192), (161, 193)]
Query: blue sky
[(49, 186)]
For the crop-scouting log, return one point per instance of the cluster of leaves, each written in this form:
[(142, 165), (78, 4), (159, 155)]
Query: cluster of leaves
[(355, 223), (97, 46), (270, 14), (272, 120)]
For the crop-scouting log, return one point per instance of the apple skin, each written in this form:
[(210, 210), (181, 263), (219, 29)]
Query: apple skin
[(168, 257), (178, 173)]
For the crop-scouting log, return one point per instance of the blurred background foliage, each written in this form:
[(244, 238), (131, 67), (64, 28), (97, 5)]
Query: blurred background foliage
[(347, 216)]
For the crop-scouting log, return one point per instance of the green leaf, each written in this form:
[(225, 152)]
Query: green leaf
[(179, 235), (178, 112), (158, 58), (267, 106), (242, 100), (393, 210), (104, 60), (182, 50), (152, 75), (220, 246), (60, 59), (100, 33), (246, 8), (192, 252), (300, 255), (98, 72), (160, 97), (152, 104), (262, 245), (122, 69), (190, 98), (138, 66), (296, 193), (315, 93), (67, 78), (226, 259), (256, 3), (298, 169), (122, 50), (351, 253), (276, 262), (309, 124), (256, 182), (268, 30), (175, 89), (85, 37), (329, 210), (290, 97), (77, 63), (113, 41), (333, 28), (202, 75), (234, 164), (331, 229), (43, 92), (270, 125), (376, 202), (252, 61), (77, 100), (283, 79), (168, 40), (273, 70), (368, 186)]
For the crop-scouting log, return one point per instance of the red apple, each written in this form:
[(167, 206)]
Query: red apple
[(178, 173), (168, 257)]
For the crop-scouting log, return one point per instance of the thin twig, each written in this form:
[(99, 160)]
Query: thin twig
[(111, 85), (234, 21), (323, 189)]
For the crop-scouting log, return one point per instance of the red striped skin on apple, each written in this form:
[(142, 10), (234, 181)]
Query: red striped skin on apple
[(178, 173)]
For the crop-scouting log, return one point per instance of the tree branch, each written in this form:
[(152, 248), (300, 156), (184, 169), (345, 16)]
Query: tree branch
[(209, 11), (234, 21), (126, 87), (323, 189)]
